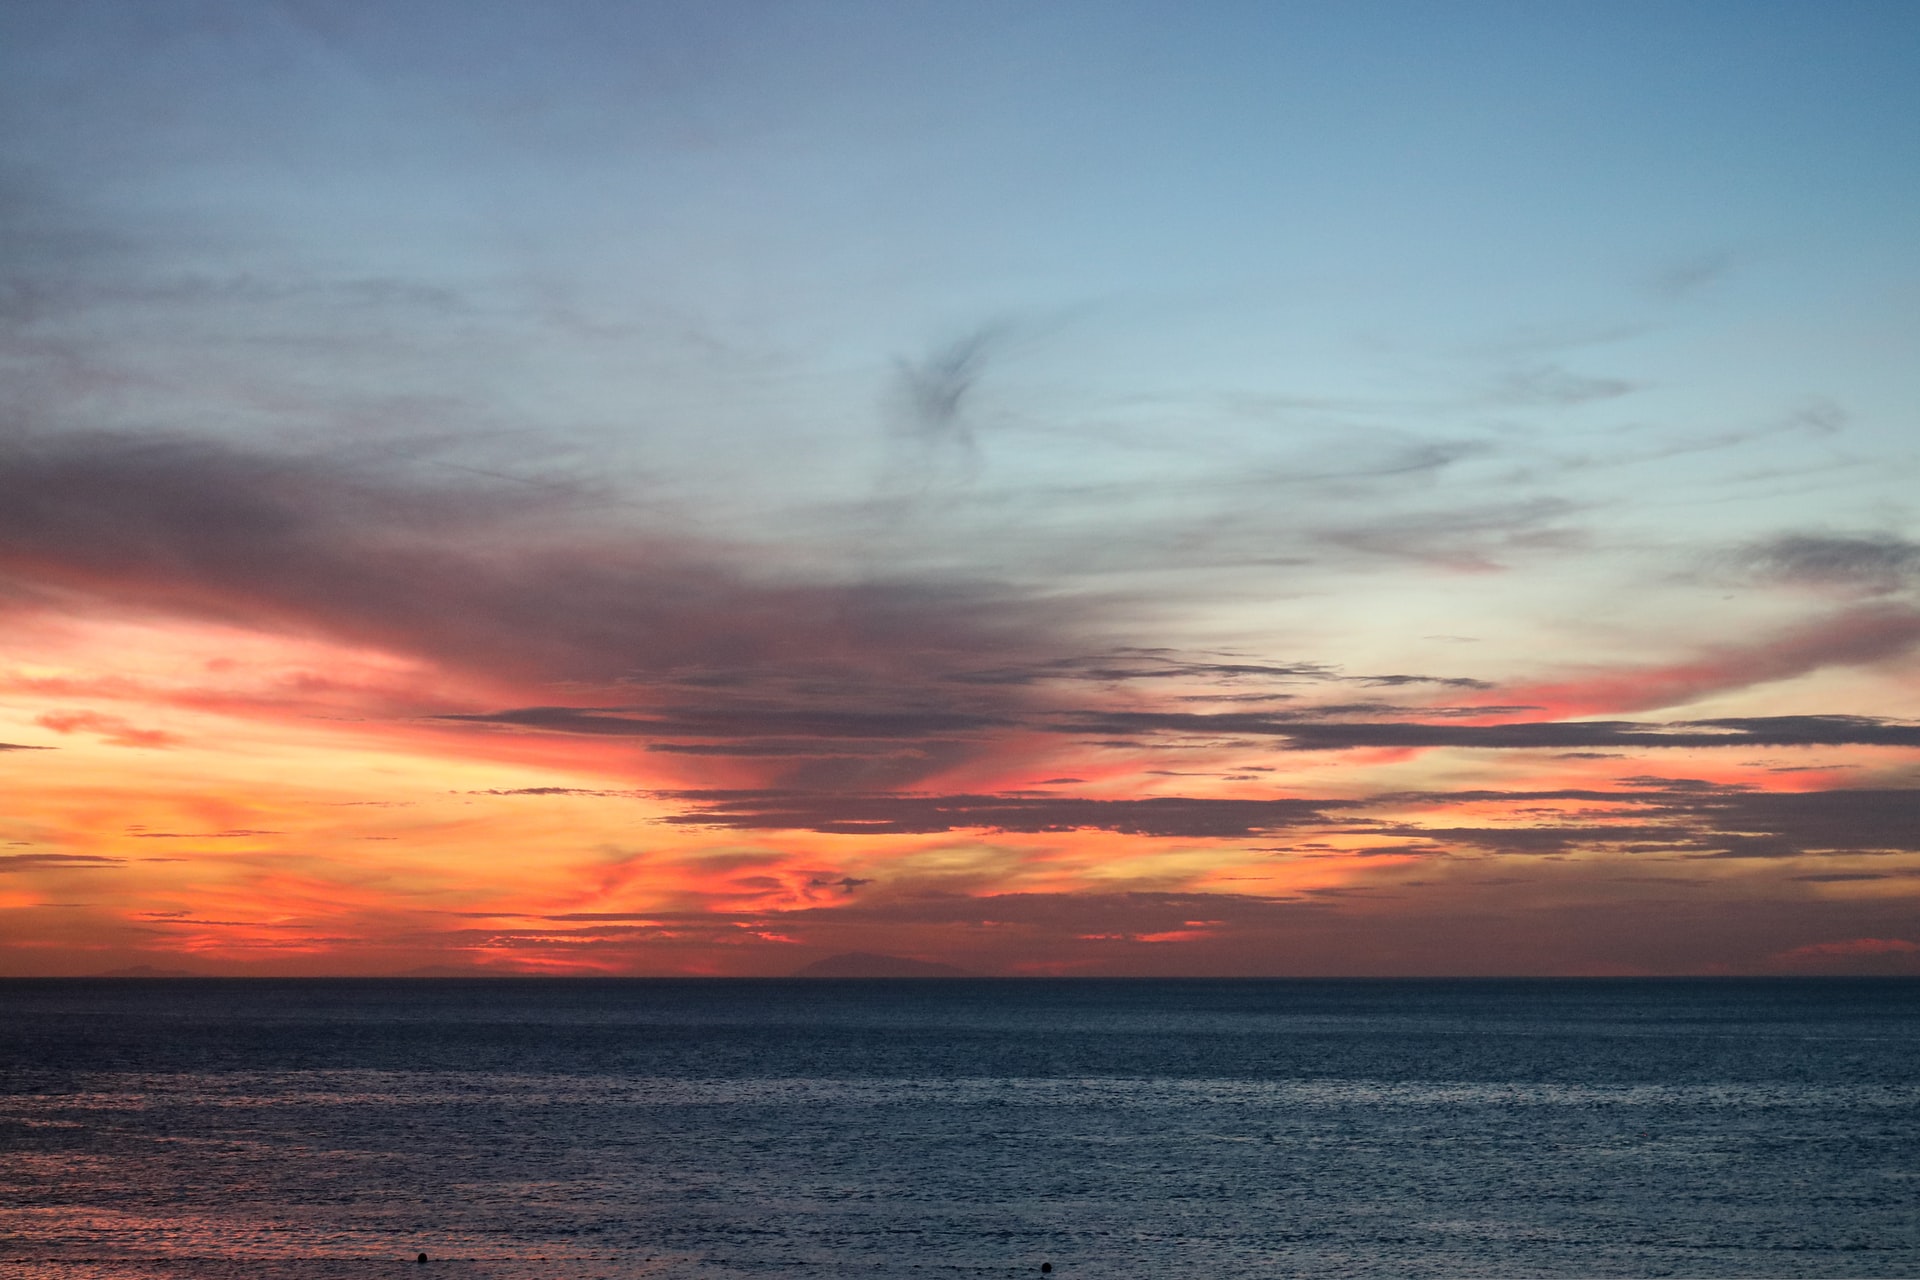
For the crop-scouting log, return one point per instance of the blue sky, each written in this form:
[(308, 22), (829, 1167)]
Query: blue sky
[(638, 220)]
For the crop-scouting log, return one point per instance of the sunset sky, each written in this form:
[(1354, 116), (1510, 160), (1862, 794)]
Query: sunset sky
[(1063, 488)]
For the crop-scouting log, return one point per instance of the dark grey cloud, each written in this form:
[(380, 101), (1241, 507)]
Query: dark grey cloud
[(1874, 562), (1166, 816), (1784, 824), (1841, 877), (1319, 735), (930, 447), (1676, 818), (734, 722), (1452, 682), (1705, 819), (1144, 664), (15, 746), (846, 884)]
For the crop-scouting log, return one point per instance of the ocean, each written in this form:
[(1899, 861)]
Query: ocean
[(525, 1128)]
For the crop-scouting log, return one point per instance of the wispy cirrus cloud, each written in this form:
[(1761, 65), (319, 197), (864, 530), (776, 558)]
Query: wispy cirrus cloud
[(1860, 636)]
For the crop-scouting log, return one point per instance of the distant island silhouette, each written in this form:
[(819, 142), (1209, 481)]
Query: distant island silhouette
[(865, 964), (147, 971)]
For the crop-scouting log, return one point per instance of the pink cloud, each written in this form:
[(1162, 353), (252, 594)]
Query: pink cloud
[(1850, 948), (1851, 638), (110, 728)]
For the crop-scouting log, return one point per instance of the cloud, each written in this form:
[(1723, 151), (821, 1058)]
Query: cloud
[(934, 388), (1464, 540), (1877, 563), (1396, 681), (110, 728), (505, 577), (1552, 385), (555, 791), (931, 443), (531, 584), (1854, 637), (1164, 816), (846, 884), (1151, 664), (1138, 664), (1558, 735), (1666, 816), (1851, 948), (1703, 821), (789, 748), (1545, 839), (23, 862), (1571, 916), (1842, 877), (841, 685), (1784, 824), (1688, 276), (747, 721)]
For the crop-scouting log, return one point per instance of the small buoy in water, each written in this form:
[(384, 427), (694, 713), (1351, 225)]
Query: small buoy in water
[(1046, 1267), (422, 1259)]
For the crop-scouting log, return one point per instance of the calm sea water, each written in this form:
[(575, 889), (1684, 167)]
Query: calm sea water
[(959, 1128)]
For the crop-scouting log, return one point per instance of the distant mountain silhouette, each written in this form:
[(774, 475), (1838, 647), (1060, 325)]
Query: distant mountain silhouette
[(863, 964), (146, 971), (456, 971)]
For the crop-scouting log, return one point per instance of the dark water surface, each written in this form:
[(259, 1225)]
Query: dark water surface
[(573, 1128)]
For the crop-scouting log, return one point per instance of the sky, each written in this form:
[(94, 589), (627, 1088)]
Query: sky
[(1065, 489)]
